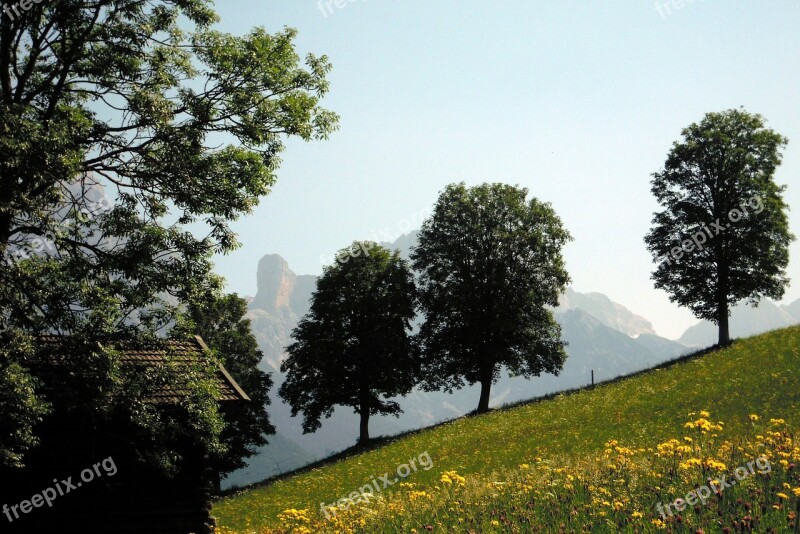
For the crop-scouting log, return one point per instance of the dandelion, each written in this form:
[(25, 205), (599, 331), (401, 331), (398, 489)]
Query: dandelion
[(691, 462), (714, 464), (452, 477)]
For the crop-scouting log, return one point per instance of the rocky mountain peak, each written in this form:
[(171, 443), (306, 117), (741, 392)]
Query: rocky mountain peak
[(276, 282), (606, 311)]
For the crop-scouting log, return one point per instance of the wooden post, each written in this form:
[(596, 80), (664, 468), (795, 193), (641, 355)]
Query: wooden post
[(592, 377)]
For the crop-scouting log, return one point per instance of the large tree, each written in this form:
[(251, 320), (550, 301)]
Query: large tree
[(723, 233), (354, 348), (490, 263), (131, 134), (220, 320)]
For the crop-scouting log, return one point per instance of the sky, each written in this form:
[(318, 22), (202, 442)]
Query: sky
[(578, 101)]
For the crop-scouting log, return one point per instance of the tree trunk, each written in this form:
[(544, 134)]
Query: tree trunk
[(216, 481), (724, 331), (486, 385), (364, 431), (5, 230), (363, 436), (483, 404), (722, 307)]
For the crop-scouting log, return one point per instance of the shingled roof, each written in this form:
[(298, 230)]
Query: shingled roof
[(178, 351)]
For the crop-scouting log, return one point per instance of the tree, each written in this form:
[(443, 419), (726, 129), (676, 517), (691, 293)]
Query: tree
[(490, 261), (220, 321), (353, 348), (127, 145), (723, 233), (20, 408)]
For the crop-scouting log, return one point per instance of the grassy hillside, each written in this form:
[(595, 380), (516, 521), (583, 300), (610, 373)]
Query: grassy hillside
[(554, 462)]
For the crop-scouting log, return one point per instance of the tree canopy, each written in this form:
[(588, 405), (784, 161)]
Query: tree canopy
[(220, 321), (128, 143), (490, 262), (354, 348), (723, 234)]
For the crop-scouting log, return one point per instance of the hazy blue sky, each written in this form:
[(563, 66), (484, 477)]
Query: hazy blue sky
[(579, 101)]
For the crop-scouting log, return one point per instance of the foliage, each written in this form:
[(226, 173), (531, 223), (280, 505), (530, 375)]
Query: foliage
[(490, 261), (220, 321), (128, 143), (723, 234), (353, 347), (20, 408)]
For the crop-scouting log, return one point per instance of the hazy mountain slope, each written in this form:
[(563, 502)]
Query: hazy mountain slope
[(744, 321), (593, 345), (662, 346), (279, 456), (404, 243), (793, 309), (607, 312)]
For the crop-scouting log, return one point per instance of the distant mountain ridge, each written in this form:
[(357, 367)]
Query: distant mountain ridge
[(609, 313), (744, 321)]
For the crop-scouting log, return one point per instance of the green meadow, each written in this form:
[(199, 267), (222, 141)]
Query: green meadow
[(507, 470)]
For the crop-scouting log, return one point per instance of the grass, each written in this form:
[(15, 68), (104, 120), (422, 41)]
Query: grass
[(758, 375)]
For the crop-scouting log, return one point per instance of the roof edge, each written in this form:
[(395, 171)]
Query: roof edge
[(231, 381)]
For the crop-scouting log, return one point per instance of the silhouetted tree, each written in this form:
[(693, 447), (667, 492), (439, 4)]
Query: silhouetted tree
[(490, 263), (723, 234), (353, 348), (220, 321)]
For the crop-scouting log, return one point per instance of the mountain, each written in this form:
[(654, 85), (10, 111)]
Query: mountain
[(612, 343), (279, 456), (793, 309), (744, 321), (609, 313), (282, 299), (404, 244), (662, 346)]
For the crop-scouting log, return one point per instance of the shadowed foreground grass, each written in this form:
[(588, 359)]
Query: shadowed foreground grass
[(598, 459)]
